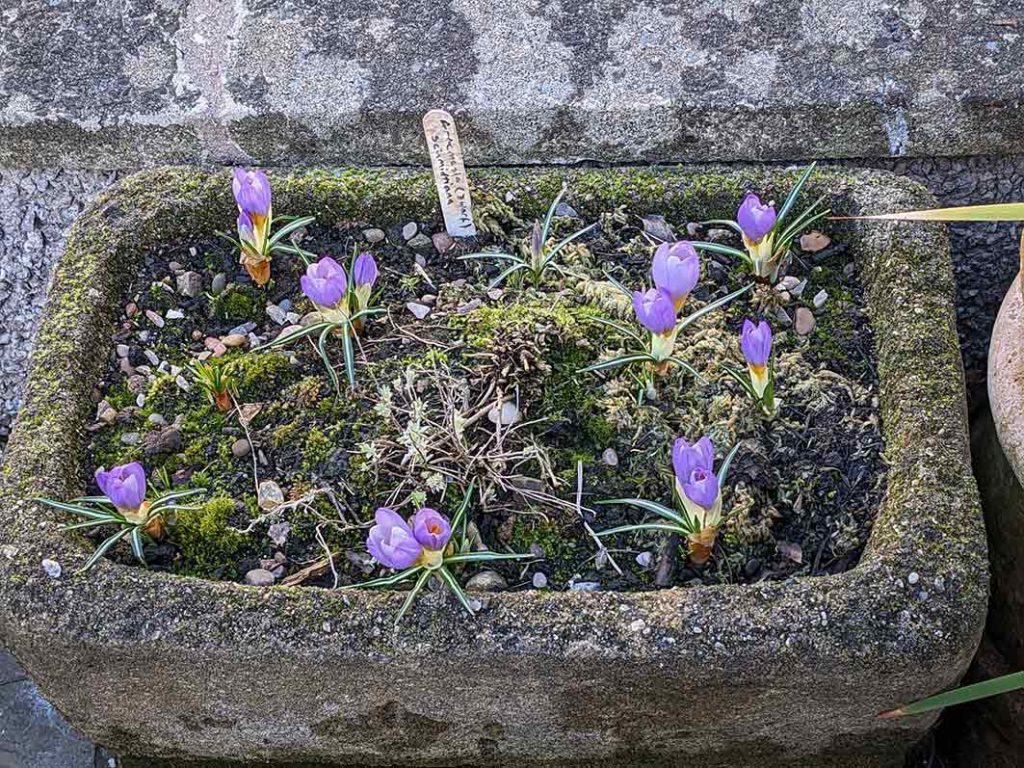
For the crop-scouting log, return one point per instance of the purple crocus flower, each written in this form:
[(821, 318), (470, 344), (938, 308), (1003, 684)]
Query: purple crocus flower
[(655, 310), (756, 220), (246, 233), (756, 343), (391, 541), (431, 529), (124, 485), (676, 269), (364, 272), (695, 478), (252, 194), (325, 283)]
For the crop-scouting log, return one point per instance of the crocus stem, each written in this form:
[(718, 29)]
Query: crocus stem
[(665, 574), (660, 369)]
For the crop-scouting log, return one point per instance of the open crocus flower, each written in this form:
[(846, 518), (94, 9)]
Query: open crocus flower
[(657, 313), (125, 487), (756, 345), (676, 269), (391, 541), (253, 197), (699, 492), (326, 285), (398, 544), (757, 223)]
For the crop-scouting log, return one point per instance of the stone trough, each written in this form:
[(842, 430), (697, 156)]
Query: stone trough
[(170, 670)]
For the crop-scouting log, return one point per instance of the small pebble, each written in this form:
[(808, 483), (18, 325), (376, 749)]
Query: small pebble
[(182, 383), (270, 495), (658, 228), (154, 318), (409, 230), (131, 438), (374, 235), (442, 241), (174, 314), (233, 340), (585, 586), (278, 533), (52, 568), (241, 448), (190, 284), (507, 415), (419, 310), (820, 298), (259, 577), (108, 416), (469, 306), (277, 314), (644, 559), (151, 356), (783, 317), (610, 457), (637, 626), (220, 282), (487, 581), (158, 419), (805, 321), (539, 580), (122, 350), (913, 578), (421, 243)]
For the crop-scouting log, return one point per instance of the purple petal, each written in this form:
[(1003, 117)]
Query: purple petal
[(702, 488), (655, 310), (687, 459), (124, 485), (756, 220), (756, 342), (431, 528), (364, 272), (391, 542), (252, 192), (676, 269), (325, 283), (245, 229)]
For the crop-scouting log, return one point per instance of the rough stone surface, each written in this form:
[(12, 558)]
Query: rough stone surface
[(36, 208), (787, 672), (109, 84), (32, 732)]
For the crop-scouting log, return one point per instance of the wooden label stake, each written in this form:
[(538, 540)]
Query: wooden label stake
[(449, 173)]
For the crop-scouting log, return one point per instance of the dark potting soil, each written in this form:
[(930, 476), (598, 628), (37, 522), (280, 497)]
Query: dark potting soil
[(800, 498)]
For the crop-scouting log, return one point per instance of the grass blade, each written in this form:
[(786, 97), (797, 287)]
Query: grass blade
[(994, 212), (489, 255), (651, 506), (507, 273), (459, 518), (794, 193), (664, 527), (294, 335), (687, 367), (135, 539), (101, 550), (689, 319), (615, 363), (551, 214), (620, 328), (453, 584), (982, 690), (75, 509), (723, 249), (287, 229), (386, 581), (482, 557), (723, 471), (350, 363), (407, 603)]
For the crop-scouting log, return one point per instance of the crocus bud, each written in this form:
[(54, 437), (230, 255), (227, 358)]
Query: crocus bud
[(124, 485), (696, 481), (391, 541), (676, 269), (655, 311), (364, 275), (756, 220), (431, 529), (756, 345), (252, 194), (325, 284), (537, 243)]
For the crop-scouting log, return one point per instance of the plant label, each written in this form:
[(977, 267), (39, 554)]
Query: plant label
[(449, 173)]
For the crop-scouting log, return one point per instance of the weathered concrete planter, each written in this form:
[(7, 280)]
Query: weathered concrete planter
[(788, 673)]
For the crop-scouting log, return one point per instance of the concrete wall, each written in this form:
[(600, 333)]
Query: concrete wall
[(93, 88)]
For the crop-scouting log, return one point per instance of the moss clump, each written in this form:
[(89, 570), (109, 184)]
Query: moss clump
[(259, 376), (239, 302), (207, 543), (316, 449)]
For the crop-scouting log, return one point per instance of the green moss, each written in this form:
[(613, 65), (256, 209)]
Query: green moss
[(208, 544), (239, 302), (316, 449), (261, 375)]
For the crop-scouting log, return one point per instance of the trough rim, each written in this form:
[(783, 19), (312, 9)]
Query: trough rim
[(833, 628)]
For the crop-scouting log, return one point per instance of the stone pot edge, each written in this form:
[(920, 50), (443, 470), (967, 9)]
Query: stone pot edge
[(931, 520)]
